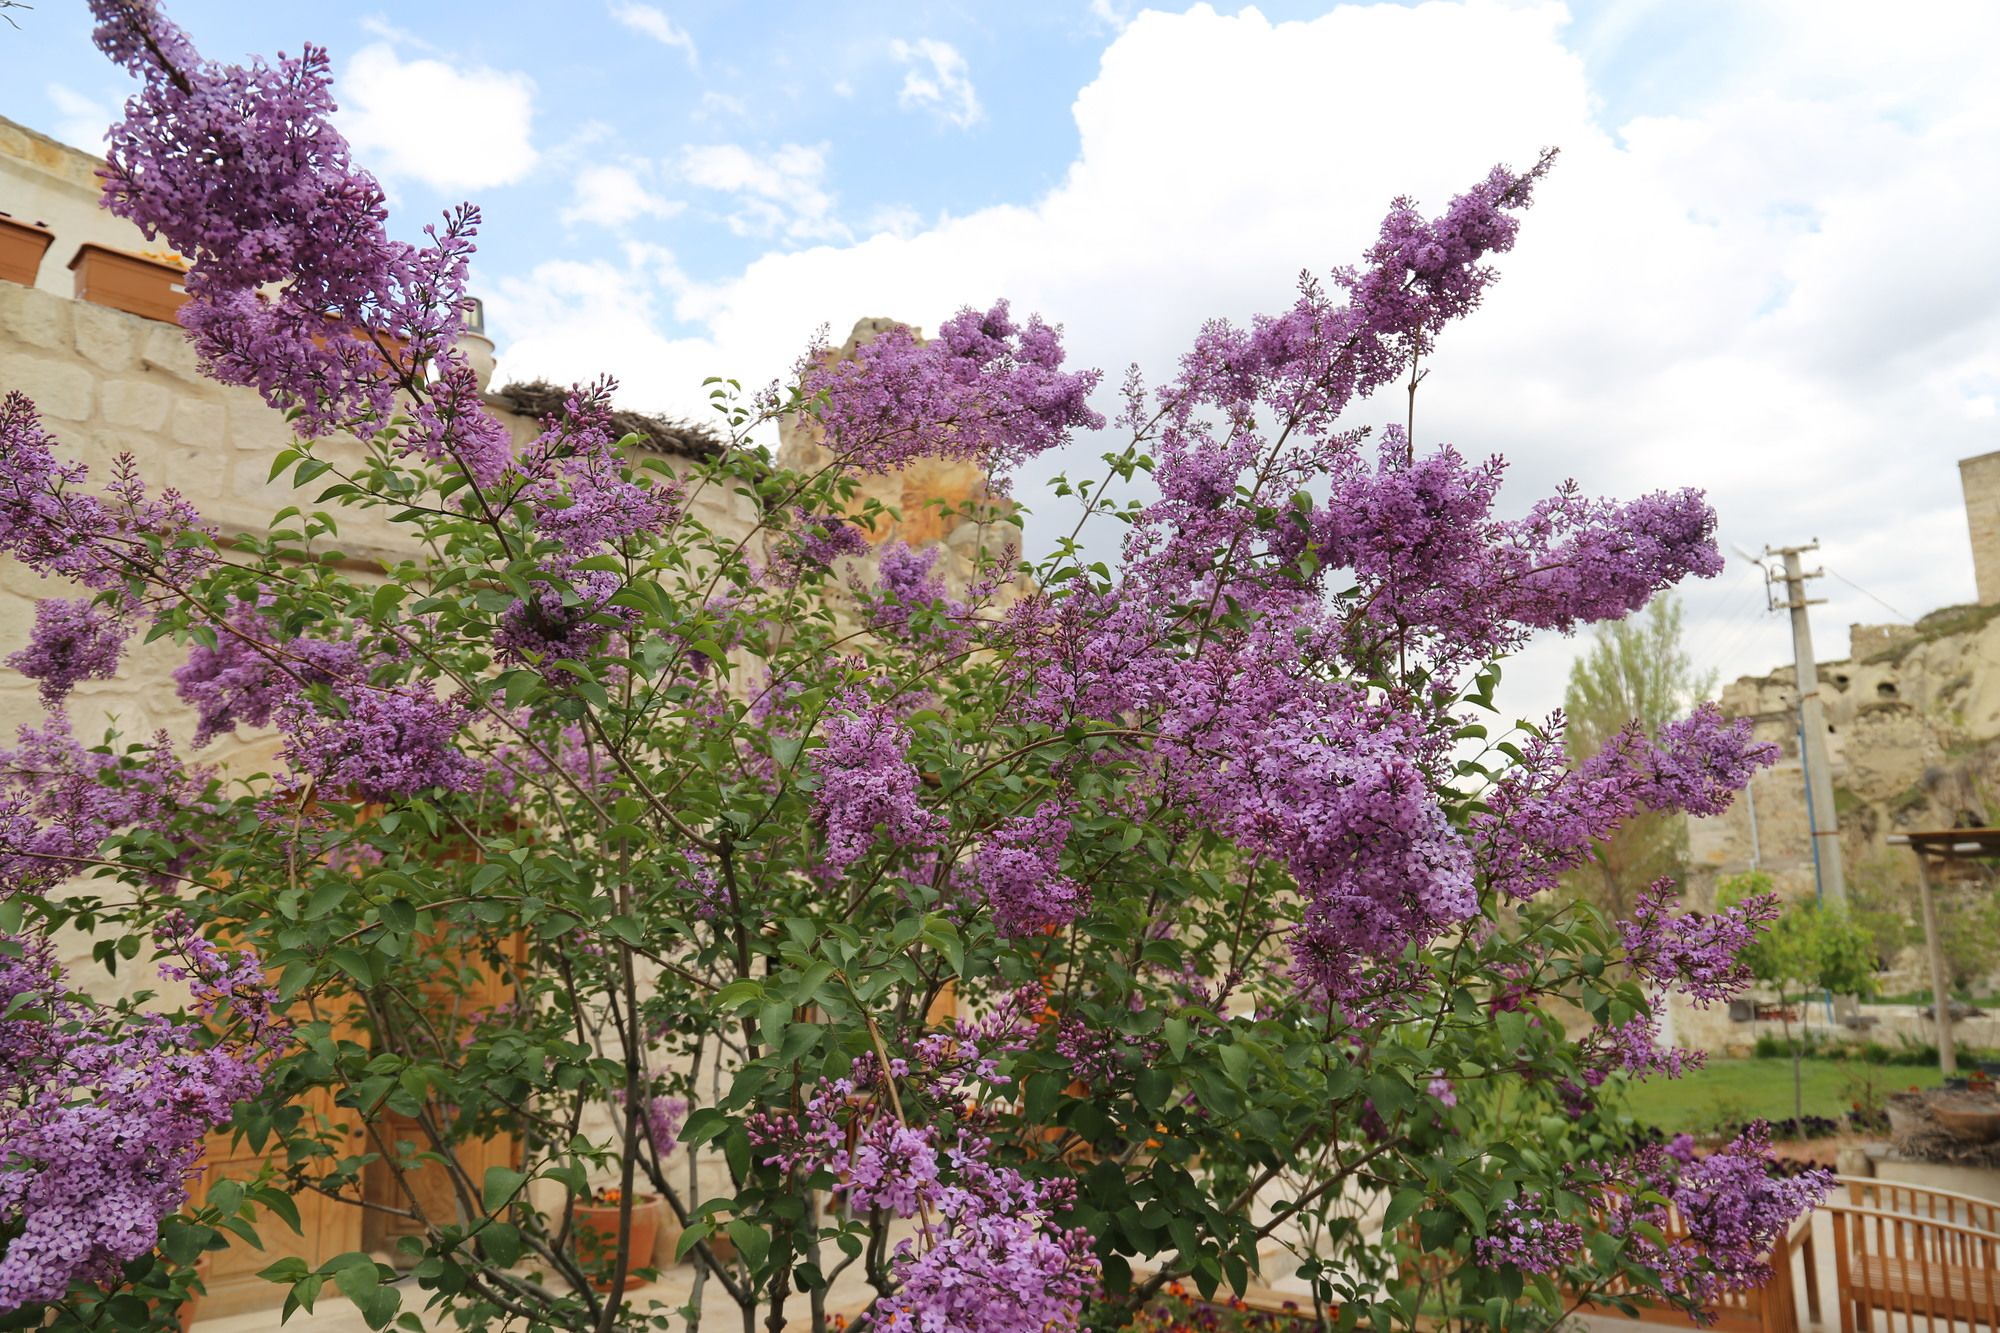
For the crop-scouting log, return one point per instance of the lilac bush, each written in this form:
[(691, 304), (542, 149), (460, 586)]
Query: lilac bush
[(989, 942)]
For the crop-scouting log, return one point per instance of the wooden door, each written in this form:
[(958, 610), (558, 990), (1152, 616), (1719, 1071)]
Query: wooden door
[(327, 1227), (481, 990)]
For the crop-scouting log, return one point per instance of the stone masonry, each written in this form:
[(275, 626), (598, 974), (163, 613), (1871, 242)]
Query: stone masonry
[(1980, 478)]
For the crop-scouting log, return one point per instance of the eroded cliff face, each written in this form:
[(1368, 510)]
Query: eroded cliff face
[(1914, 737)]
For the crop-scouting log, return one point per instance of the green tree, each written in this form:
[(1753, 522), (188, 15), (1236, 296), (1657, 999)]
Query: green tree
[(1638, 671), (1811, 947)]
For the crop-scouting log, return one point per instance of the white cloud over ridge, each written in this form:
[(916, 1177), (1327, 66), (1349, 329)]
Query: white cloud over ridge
[(937, 80), (450, 128), (1787, 292)]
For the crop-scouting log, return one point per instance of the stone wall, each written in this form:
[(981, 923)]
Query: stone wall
[(1980, 478)]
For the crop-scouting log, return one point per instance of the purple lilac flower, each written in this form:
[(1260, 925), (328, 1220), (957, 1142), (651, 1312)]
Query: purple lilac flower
[(1542, 818), (551, 628), (385, 745), (866, 783), (1440, 1087), (295, 287), (989, 1258), (816, 541), (907, 581), (1690, 952), (985, 389), (1018, 871), (52, 524), (59, 800), (101, 1129), (1634, 1047), (243, 678), (73, 640), (1525, 1235)]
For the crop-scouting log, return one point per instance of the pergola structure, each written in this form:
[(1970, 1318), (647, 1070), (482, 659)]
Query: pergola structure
[(1955, 844)]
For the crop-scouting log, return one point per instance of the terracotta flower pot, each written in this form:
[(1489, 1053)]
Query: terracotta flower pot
[(596, 1239), (135, 284), (22, 245)]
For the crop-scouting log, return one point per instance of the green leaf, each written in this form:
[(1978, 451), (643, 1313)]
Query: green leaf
[(354, 964), (1401, 1207), (1153, 1087), (399, 916), (328, 896), (501, 1243), (1175, 1030), (502, 1183), (703, 1125), (738, 993), (752, 1241)]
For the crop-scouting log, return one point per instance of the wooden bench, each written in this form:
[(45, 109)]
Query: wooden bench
[(1925, 1255)]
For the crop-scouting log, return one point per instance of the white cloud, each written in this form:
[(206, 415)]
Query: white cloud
[(450, 128), (654, 23), (721, 106), (1110, 14), (375, 25), (938, 80), (1785, 289), (81, 121), (614, 196), (779, 193)]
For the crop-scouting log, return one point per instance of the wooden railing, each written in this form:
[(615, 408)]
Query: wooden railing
[(1918, 1266), (1922, 1201)]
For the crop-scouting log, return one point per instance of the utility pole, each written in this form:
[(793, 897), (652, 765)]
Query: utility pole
[(1812, 726)]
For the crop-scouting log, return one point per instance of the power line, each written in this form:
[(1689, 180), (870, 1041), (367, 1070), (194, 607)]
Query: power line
[(1907, 620)]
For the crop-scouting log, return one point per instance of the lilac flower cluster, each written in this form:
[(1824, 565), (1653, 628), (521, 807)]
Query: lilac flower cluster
[(906, 580), (384, 744), (1694, 953), (111, 543), (73, 640), (1525, 1235), (103, 1116), (240, 169), (248, 672), (814, 543), (551, 627), (985, 389), (1543, 817), (1731, 1207), (582, 499), (59, 801), (988, 1258), (867, 783), (1634, 1047), (1017, 870)]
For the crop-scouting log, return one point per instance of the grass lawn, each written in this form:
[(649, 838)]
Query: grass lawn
[(1737, 1090)]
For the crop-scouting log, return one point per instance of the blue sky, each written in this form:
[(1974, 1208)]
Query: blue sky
[(1765, 266), (897, 113)]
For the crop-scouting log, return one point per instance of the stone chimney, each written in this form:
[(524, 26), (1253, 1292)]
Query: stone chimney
[(1980, 476)]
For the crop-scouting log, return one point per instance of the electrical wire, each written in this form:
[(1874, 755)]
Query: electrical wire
[(1907, 620)]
